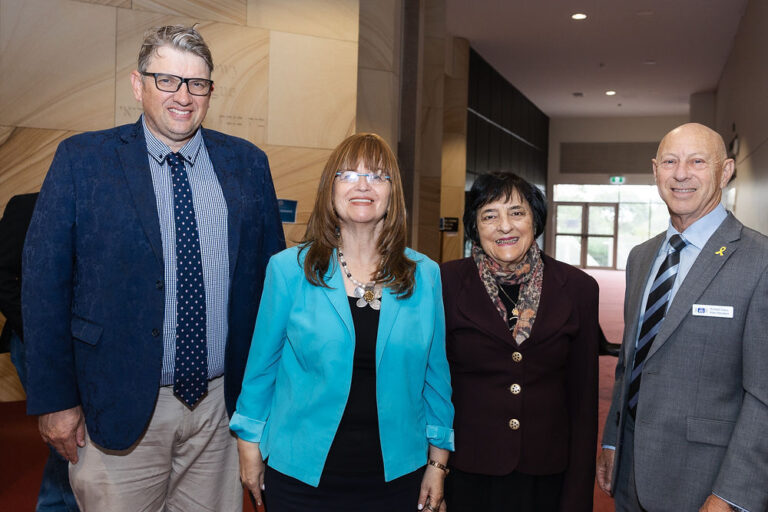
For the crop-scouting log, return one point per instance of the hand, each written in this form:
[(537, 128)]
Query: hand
[(432, 485), (715, 504), (605, 469), (251, 468), (64, 430)]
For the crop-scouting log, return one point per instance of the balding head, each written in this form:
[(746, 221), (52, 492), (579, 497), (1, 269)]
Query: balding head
[(691, 169), (704, 134)]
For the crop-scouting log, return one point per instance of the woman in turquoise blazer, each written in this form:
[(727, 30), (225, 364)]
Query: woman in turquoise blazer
[(347, 389)]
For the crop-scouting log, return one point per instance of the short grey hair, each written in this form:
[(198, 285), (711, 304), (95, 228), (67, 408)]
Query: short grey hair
[(186, 39)]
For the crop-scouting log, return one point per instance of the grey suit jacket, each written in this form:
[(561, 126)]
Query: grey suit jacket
[(702, 415)]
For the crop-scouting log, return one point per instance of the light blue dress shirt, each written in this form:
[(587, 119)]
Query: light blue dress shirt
[(696, 236)]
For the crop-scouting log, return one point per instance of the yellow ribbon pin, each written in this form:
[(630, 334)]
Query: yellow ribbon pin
[(721, 251)]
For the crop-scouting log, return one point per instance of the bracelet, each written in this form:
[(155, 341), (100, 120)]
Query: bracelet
[(439, 466)]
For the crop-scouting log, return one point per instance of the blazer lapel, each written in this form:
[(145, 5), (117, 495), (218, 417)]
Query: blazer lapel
[(223, 158), (554, 306), (390, 307), (134, 160), (476, 305), (703, 271), (337, 296), (634, 298)]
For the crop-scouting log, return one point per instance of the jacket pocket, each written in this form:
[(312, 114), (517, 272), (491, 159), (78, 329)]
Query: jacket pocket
[(708, 431), (85, 330)]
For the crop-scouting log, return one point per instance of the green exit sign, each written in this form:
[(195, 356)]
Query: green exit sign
[(617, 180)]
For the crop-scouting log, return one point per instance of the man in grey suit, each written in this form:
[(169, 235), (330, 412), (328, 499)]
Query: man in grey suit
[(688, 425)]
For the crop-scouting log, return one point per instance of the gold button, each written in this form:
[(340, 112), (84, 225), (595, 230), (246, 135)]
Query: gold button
[(517, 357), (514, 424), (515, 389)]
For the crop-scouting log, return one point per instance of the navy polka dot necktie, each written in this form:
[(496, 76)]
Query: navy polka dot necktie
[(190, 376)]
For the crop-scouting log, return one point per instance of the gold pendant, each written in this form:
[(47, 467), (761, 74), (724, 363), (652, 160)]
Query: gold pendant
[(368, 295)]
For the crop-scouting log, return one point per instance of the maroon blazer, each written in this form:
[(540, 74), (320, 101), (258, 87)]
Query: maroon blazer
[(555, 370)]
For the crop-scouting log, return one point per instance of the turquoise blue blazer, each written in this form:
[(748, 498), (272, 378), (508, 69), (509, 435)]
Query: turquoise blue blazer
[(299, 370)]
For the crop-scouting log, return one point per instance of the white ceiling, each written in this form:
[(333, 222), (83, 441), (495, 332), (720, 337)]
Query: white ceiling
[(536, 46)]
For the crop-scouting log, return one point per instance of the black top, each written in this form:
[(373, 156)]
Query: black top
[(507, 292), (13, 229), (356, 449)]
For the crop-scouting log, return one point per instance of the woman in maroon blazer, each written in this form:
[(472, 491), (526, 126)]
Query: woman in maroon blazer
[(522, 336)]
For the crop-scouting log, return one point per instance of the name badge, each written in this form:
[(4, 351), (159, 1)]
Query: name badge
[(716, 311)]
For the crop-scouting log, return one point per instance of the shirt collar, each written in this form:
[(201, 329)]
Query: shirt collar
[(160, 151), (699, 232)]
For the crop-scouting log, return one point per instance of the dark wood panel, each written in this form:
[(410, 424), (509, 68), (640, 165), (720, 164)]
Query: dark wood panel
[(505, 130), (606, 157)]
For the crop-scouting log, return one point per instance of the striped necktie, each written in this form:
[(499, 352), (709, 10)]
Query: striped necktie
[(190, 374), (655, 310)]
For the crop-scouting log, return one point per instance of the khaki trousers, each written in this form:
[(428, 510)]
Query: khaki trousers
[(185, 461)]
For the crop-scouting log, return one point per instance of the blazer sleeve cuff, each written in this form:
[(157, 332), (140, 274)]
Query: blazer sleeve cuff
[(440, 437), (246, 428)]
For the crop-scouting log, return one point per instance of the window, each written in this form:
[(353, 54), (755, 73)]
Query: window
[(597, 225)]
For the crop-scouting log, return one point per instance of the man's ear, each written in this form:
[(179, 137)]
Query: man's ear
[(137, 84), (728, 167)]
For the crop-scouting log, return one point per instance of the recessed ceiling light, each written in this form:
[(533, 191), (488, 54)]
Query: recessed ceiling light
[(578, 94), (649, 62), (578, 16), (610, 93)]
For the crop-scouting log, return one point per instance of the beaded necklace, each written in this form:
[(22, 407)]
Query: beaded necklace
[(368, 294)]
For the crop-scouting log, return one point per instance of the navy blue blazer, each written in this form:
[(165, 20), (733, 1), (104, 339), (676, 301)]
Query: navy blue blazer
[(92, 292)]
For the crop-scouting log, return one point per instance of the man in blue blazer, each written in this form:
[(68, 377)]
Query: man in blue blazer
[(142, 274)]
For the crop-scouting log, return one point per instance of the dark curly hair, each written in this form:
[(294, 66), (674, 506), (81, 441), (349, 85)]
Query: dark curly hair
[(497, 185)]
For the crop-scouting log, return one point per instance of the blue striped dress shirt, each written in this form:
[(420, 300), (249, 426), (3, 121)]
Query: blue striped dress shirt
[(211, 215)]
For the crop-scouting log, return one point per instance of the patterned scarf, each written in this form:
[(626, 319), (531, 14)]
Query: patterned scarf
[(529, 274)]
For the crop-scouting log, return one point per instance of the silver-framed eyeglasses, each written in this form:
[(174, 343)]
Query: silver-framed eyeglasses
[(378, 177), (172, 83)]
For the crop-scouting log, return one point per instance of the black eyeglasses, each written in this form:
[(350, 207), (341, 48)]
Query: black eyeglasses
[(172, 83)]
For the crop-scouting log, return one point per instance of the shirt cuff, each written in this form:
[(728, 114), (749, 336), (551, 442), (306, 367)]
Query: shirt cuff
[(733, 505), (246, 428), (608, 447), (440, 437)]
